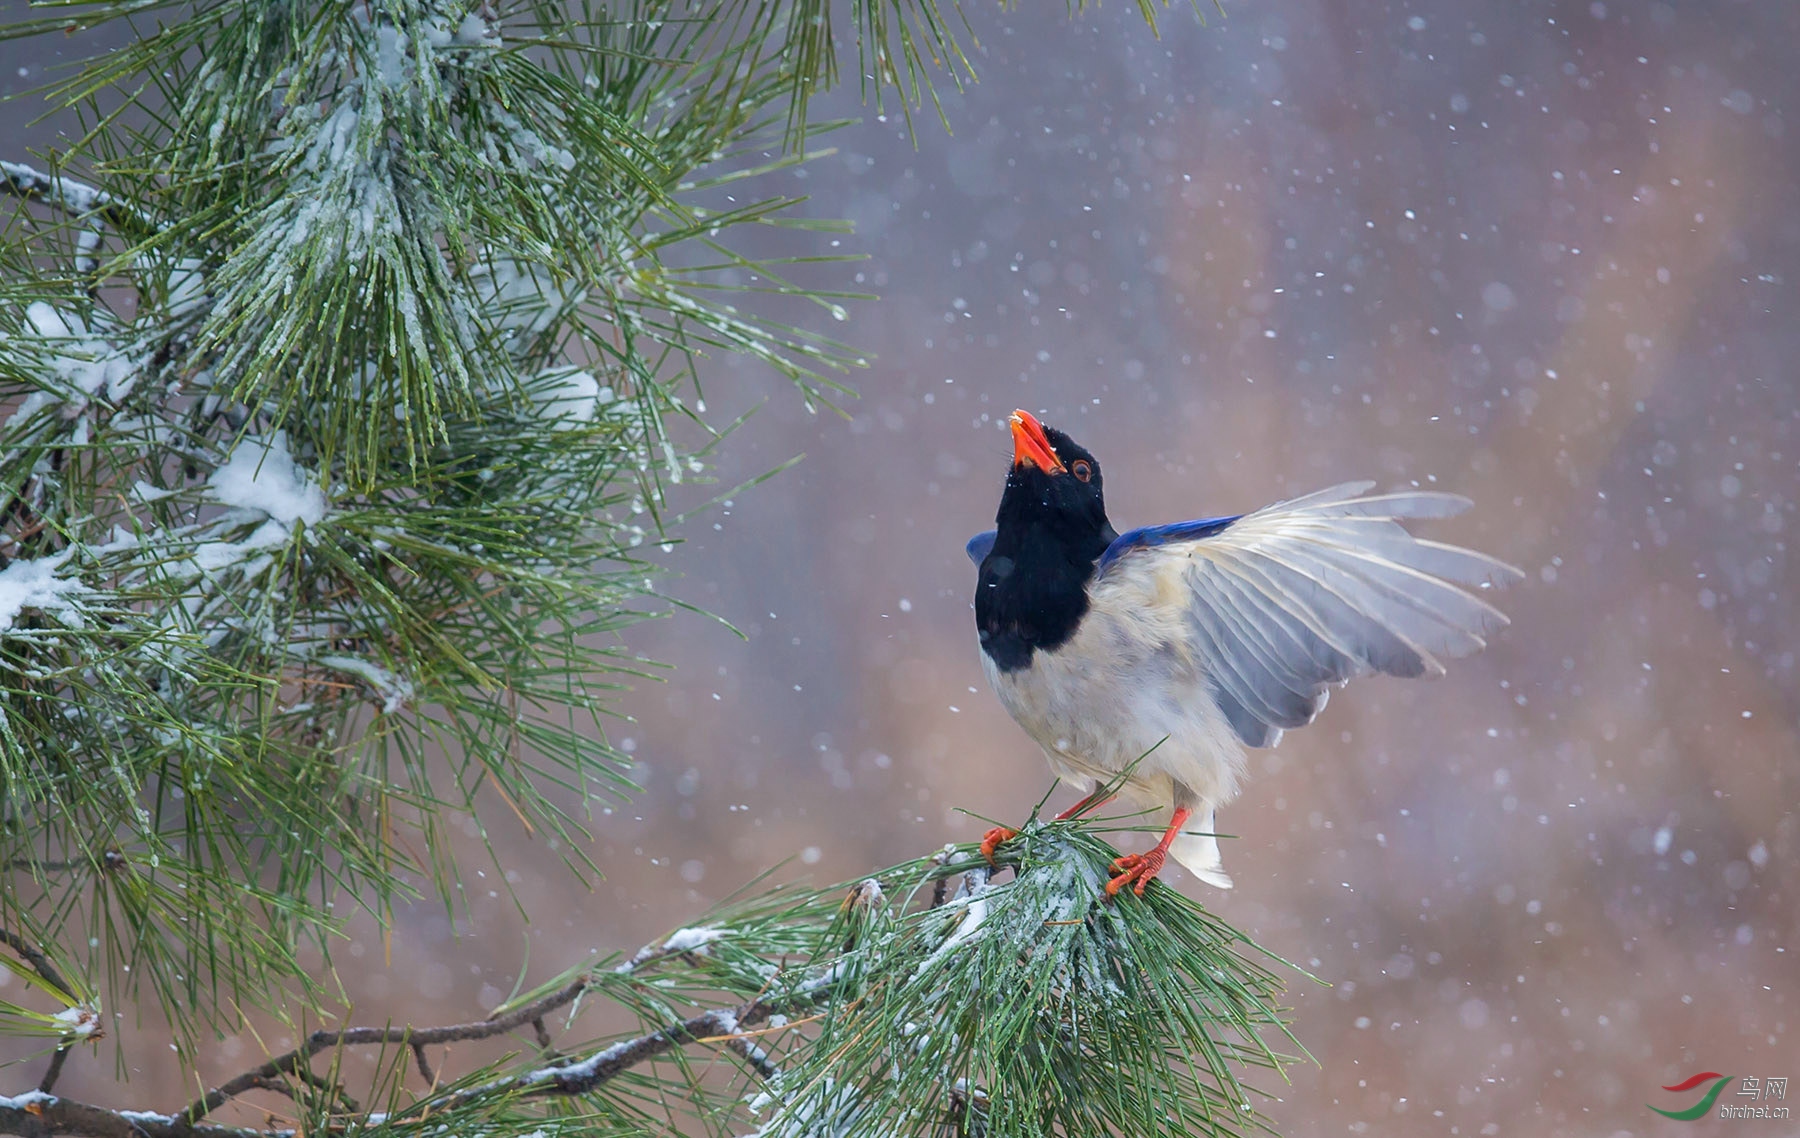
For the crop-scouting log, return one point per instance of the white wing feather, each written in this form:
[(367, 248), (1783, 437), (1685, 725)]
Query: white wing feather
[(1314, 591)]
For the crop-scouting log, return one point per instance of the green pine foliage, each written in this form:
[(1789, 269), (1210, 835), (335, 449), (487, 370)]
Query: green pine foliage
[(1030, 1007), (346, 351)]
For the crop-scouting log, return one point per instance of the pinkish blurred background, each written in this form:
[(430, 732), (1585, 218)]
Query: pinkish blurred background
[(1537, 253)]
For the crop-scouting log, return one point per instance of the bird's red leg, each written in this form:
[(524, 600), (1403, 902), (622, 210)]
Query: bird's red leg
[(1092, 802), (1137, 870)]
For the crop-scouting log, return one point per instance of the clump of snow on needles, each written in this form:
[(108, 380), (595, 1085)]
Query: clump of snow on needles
[(570, 398), (34, 584), (84, 365), (261, 475), (395, 691), (692, 939), (79, 1020)]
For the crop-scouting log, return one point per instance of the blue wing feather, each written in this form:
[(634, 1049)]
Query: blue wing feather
[(979, 545), (1148, 536)]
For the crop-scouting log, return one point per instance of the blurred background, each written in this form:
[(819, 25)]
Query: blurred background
[(1536, 253)]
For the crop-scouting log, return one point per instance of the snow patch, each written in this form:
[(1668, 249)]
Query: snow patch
[(692, 939), (187, 288), (34, 584), (975, 913), (570, 398), (476, 32), (212, 556), (261, 475), (79, 1021), (520, 296), (393, 64), (26, 1100), (395, 691), (87, 365)]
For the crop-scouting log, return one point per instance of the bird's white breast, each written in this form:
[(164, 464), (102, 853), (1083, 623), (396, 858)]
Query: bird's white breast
[(1126, 687)]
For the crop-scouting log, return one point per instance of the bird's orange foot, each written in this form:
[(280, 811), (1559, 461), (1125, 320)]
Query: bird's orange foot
[(1136, 870), (994, 839)]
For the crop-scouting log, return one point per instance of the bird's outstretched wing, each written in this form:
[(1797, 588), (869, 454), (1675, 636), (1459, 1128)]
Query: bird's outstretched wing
[(1277, 605)]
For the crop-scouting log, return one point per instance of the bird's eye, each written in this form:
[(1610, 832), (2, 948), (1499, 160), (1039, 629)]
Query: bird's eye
[(1082, 471)]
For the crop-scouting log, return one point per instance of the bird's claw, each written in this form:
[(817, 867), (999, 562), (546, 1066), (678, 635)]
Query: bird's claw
[(994, 839), (1136, 870)]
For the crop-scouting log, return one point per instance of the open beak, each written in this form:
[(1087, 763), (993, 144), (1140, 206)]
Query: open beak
[(1031, 445)]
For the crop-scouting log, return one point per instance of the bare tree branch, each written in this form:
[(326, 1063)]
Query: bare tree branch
[(580, 1077), (295, 1062), (753, 1054), (364, 1036), (54, 1070), (418, 1050)]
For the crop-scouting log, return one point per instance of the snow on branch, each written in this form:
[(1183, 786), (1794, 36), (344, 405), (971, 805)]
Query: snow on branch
[(261, 475), (75, 198), (35, 584)]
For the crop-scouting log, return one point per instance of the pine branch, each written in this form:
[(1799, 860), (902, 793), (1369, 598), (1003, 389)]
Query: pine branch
[(75, 198), (983, 1007), (39, 1113)]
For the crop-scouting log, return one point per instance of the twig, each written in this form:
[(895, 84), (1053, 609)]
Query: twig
[(38, 961), (54, 1070), (319, 1082), (364, 1036), (35, 1115), (753, 1054), (25, 864), (582, 1077), (418, 1038), (418, 1050), (279, 1086)]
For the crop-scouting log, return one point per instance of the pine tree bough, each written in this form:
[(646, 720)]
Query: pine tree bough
[(879, 1006)]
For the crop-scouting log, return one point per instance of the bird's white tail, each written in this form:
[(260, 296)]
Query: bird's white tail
[(1199, 852)]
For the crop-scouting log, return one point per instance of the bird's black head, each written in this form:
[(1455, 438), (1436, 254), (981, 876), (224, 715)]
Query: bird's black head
[(1051, 530), (1054, 487)]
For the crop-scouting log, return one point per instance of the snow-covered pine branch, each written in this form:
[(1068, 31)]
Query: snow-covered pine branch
[(881, 1006)]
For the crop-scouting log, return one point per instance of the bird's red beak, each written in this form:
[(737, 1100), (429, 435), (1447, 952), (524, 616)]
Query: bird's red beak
[(1031, 445)]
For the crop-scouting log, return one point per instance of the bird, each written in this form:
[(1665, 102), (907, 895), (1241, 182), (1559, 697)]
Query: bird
[(1162, 654)]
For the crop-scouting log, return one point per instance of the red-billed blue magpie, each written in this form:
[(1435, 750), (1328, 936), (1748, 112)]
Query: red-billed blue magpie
[(1175, 647)]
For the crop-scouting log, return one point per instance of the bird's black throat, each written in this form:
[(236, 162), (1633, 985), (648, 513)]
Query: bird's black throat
[(1032, 591)]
